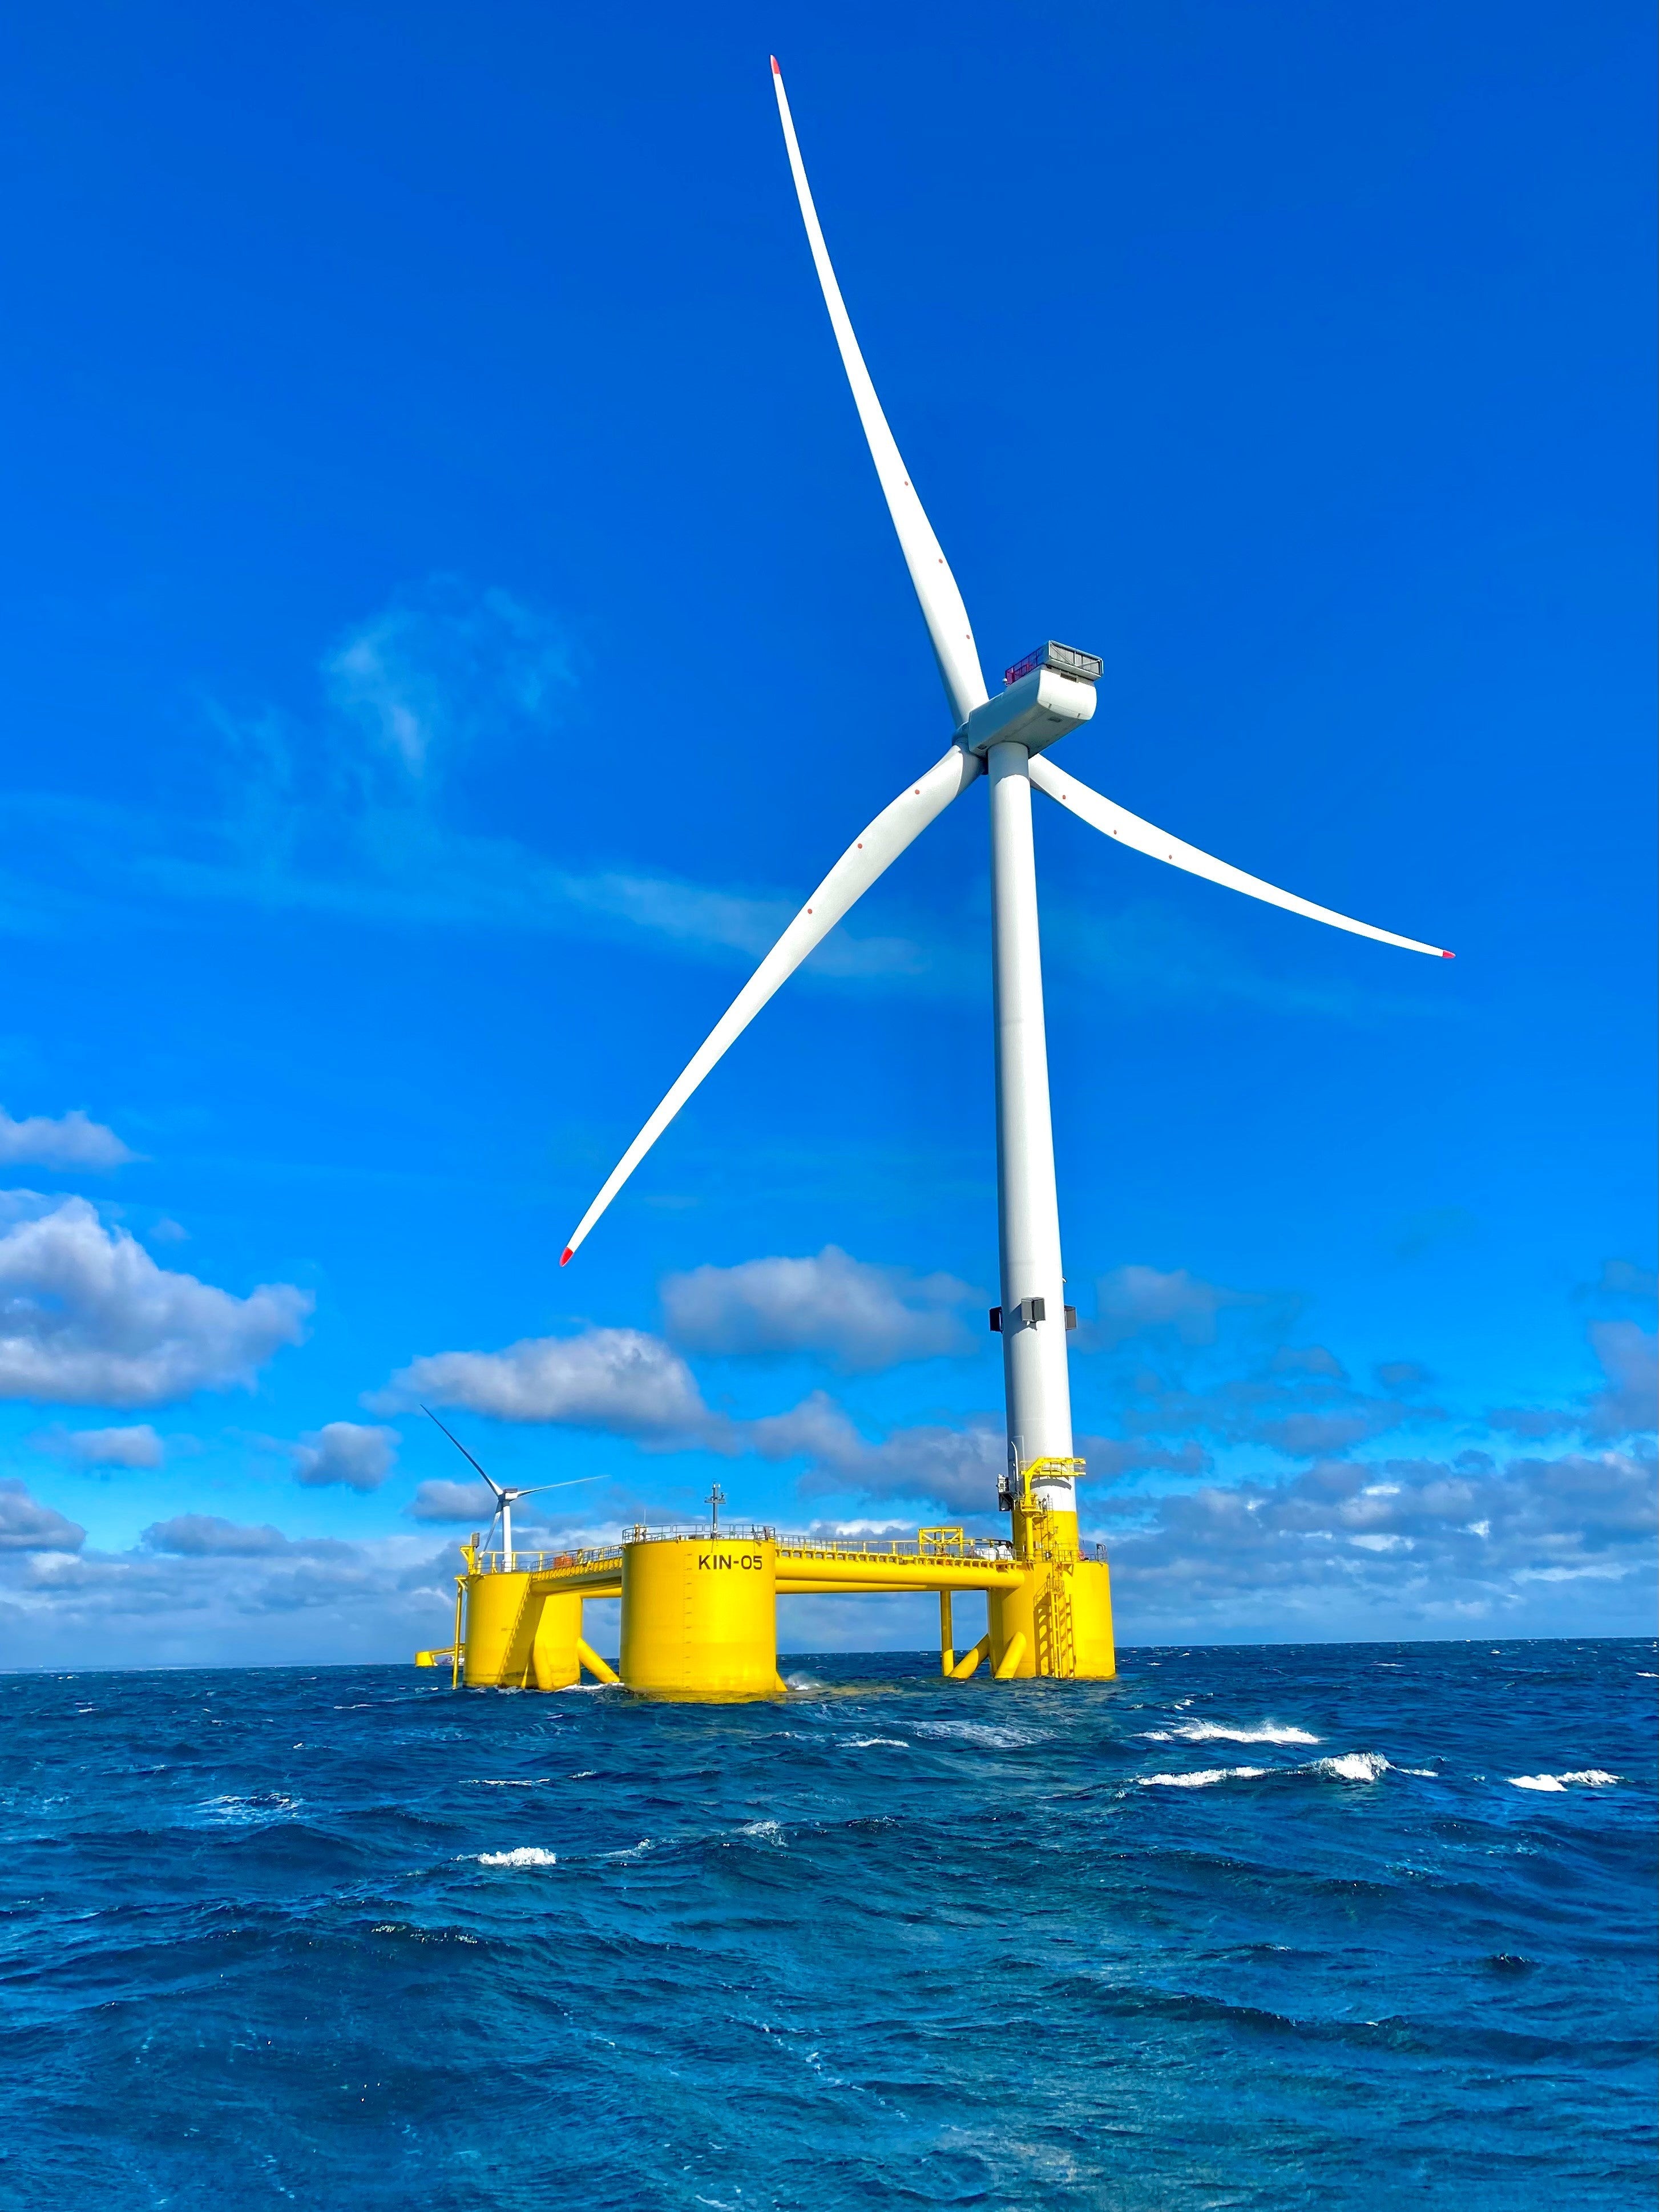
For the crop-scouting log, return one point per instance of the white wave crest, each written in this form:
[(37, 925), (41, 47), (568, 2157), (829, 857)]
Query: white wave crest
[(1202, 1780), (869, 1742), (1350, 1766), (527, 1855), (1585, 1778), (1213, 1732)]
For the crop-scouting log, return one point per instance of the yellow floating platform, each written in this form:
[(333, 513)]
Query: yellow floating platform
[(699, 1613)]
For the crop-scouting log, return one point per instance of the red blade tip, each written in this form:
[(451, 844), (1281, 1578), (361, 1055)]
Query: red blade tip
[(567, 1255), (1448, 956), (776, 71)]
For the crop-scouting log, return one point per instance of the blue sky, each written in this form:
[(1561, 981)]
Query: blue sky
[(450, 622)]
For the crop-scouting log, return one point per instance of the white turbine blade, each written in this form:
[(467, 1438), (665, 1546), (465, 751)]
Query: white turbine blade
[(867, 858), (1128, 829), (936, 587)]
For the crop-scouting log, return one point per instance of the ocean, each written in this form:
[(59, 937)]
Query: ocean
[(1338, 1926)]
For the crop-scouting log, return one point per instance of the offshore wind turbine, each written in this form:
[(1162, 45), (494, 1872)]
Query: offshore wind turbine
[(1045, 696), (505, 1496)]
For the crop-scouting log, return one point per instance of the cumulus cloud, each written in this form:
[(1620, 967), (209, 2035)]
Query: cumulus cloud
[(619, 1381), (88, 1318), (1428, 1541), (933, 1462), (860, 1317), (470, 1502), (25, 1525), (345, 1452), (70, 1141), (199, 1591), (135, 1446), (1113, 1457)]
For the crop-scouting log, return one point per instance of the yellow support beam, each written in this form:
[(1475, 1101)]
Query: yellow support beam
[(601, 1669)]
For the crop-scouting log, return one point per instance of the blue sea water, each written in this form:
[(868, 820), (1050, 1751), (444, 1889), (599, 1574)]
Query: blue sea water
[(1246, 1928)]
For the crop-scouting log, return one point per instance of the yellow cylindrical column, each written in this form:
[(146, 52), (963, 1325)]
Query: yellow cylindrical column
[(500, 1628), (699, 1619), (1091, 1621), (555, 1656), (1063, 1611)]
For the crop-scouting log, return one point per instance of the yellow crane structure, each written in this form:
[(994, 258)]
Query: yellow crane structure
[(699, 1612)]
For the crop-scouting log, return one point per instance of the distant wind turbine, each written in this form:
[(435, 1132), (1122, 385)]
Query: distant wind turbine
[(1044, 697), (506, 1499)]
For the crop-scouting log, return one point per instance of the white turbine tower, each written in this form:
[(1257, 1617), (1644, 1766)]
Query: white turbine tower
[(1044, 697)]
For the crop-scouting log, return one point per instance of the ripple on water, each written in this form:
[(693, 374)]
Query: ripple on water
[(895, 1943)]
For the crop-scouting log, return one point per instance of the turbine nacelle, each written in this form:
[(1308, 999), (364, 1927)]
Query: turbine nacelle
[(1043, 703)]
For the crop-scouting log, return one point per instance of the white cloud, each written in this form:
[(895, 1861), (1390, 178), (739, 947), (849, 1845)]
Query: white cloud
[(468, 1502), (25, 1525), (71, 1141), (134, 1447), (201, 1590), (858, 1315), (88, 1318), (956, 1468), (346, 1452), (620, 1380), (1347, 1548)]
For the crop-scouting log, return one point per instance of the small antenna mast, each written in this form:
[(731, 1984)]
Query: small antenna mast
[(716, 1499)]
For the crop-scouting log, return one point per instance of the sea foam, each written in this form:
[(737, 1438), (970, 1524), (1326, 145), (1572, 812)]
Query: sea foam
[(1203, 1779), (1587, 1778), (527, 1855), (1213, 1732)]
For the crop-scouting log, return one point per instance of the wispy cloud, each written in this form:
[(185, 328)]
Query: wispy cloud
[(135, 1447), (354, 810)]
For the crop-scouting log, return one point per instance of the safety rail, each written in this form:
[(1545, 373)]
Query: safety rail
[(543, 1563), (977, 1549), (928, 1545)]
